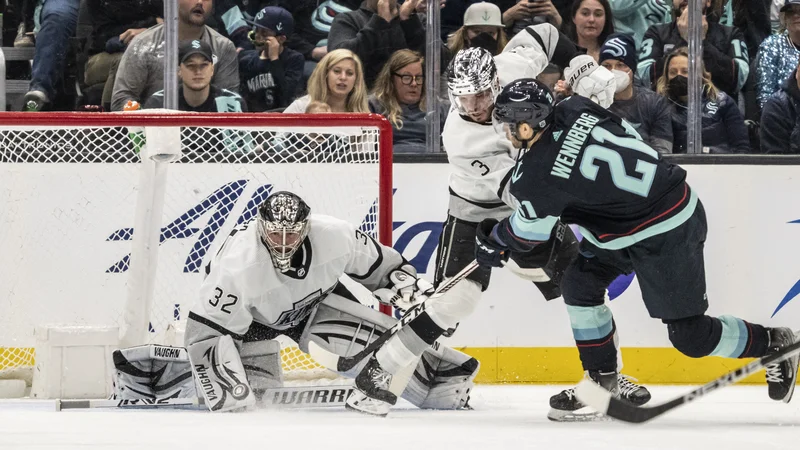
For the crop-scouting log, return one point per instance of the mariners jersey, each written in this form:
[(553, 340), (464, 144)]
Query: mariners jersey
[(592, 169), (242, 285)]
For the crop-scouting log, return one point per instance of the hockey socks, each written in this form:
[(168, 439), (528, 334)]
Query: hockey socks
[(409, 343), (593, 328), (726, 336)]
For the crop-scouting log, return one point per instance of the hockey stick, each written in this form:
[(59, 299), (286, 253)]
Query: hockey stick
[(285, 397), (345, 363), (600, 399)]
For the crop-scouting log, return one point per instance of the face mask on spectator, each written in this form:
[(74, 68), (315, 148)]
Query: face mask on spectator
[(485, 41), (622, 79), (678, 87)]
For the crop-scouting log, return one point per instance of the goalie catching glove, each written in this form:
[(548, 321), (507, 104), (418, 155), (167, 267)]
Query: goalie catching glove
[(590, 80), (406, 289)]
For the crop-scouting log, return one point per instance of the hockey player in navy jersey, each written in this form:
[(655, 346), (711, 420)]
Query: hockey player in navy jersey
[(480, 163), (636, 212)]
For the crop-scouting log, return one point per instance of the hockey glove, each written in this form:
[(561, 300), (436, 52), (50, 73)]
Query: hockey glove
[(590, 80), (489, 252), (407, 289)]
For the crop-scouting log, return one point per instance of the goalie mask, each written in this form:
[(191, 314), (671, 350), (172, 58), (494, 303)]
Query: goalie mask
[(283, 223), (525, 107), (472, 83)]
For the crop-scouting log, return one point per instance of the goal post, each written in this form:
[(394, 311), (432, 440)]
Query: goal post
[(98, 229)]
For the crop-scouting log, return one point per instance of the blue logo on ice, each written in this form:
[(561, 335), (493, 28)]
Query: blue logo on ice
[(793, 292)]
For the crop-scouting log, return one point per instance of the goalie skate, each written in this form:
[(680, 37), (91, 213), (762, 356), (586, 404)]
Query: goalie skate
[(565, 406), (371, 394)]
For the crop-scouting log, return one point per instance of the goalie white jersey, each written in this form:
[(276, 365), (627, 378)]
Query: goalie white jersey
[(242, 285)]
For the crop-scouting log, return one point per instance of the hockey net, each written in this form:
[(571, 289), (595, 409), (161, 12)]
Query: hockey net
[(73, 185)]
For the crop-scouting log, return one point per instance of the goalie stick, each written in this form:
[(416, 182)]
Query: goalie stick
[(285, 397), (345, 363), (600, 399)]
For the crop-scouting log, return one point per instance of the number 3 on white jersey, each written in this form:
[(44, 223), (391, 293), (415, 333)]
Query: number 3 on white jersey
[(620, 178)]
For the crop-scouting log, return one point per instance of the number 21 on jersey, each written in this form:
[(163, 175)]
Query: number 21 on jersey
[(616, 165)]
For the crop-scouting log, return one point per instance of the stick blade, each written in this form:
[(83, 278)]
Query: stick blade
[(600, 399), (592, 394), (323, 357)]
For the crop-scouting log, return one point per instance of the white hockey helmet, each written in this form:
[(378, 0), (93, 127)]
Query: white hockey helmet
[(283, 223), (471, 72)]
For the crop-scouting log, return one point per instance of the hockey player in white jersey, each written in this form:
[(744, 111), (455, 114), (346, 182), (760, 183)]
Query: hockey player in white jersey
[(280, 274), (481, 164)]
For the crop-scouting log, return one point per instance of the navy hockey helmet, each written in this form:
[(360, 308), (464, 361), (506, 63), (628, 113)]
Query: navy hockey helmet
[(283, 223), (526, 106)]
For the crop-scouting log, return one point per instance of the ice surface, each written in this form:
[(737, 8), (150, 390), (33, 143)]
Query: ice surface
[(505, 417)]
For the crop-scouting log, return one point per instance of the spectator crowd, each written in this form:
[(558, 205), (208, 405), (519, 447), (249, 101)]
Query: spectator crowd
[(343, 56)]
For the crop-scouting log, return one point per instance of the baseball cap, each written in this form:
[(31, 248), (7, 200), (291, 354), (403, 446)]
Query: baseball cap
[(789, 4), (195, 47), (483, 13), (274, 18)]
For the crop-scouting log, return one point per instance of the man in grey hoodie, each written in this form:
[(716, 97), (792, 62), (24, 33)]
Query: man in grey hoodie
[(141, 70)]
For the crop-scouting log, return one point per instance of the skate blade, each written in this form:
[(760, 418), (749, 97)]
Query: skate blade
[(366, 405), (585, 414)]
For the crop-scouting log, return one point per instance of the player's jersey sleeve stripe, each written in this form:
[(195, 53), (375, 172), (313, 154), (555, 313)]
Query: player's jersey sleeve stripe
[(662, 227), (484, 205), (373, 267), (532, 229)]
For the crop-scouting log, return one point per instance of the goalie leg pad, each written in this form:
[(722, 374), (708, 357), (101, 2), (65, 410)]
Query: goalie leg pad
[(262, 365), (443, 379), (152, 372), (220, 375), (344, 327)]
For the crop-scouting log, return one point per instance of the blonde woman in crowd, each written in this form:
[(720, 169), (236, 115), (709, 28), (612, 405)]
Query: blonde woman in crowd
[(338, 80)]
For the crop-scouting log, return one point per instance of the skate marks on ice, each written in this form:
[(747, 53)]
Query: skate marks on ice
[(505, 417)]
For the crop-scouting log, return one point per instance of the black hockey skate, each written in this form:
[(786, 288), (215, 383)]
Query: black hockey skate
[(634, 393), (565, 406), (371, 394), (782, 376)]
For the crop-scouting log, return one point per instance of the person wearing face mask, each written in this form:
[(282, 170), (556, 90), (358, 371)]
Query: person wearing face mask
[(724, 49), (270, 73), (647, 111), (483, 27), (723, 126)]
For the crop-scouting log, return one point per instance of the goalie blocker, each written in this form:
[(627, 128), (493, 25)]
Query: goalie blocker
[(235, 372)]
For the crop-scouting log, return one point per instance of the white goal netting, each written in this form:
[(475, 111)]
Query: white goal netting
[(73, 185)]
